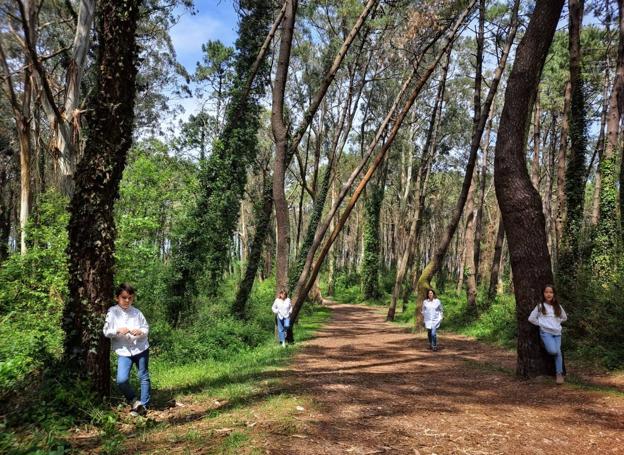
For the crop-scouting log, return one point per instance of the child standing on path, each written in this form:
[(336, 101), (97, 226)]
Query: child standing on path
[(282, 309), (548, 316), (432, 314), (127, 328)]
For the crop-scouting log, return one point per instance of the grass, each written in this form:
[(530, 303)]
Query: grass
[(230, 394)]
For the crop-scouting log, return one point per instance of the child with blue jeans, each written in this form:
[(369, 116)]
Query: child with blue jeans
[(127, 328), (548, 316), (282, 309)]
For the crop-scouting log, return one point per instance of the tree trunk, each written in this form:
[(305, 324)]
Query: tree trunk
[(485, 148), (91, 226), (370, 257), (535, 162), (562, 158), (569, 251), (280, 134), (607, 239), (469, 240), (520, 203), (436, 261), (496, 260)]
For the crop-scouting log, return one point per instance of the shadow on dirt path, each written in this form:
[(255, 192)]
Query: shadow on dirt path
[(378, 389)]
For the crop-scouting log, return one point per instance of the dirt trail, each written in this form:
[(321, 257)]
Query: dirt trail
[(378, 389)]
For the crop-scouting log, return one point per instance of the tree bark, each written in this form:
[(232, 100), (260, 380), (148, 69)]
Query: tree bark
[(562, 158), (520, 203), (569, 251), (91, 226), (496, 260), (280, 134)]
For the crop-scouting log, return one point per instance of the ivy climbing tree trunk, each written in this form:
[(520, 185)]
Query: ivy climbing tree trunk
[(91, 226), (520, 203), (607, 239), (370, 261), (575, 168)]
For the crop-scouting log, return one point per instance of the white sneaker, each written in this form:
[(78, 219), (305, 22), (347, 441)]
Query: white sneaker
[(138, 409)]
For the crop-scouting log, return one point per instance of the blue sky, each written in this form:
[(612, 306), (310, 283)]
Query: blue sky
[(214, 20)]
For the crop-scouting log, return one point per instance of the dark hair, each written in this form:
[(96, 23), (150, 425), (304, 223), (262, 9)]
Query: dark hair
[(554, 303), (431, 290), (124, 287), (284, 292)]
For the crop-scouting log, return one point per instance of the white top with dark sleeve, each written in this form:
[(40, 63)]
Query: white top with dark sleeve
[(549, 322), (126, 345)]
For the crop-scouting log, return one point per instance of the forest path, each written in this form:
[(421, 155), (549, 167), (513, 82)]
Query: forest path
[(376, 388)]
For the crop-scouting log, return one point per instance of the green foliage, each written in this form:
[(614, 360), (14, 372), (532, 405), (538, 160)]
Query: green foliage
[(32, 289)]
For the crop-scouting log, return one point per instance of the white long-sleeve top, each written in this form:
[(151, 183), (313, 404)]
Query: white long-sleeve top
[(549, 322), (282, 307), (126, 345), (432, 313)]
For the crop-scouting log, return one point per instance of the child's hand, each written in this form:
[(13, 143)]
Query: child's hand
[(123, 330), (136, 332)]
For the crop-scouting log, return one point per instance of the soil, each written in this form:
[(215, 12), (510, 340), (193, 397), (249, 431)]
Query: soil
[(377, 388)]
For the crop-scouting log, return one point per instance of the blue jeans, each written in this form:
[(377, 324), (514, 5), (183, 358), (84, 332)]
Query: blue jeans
[(431, 335), (282, 328), (552, 343), (124, 365)]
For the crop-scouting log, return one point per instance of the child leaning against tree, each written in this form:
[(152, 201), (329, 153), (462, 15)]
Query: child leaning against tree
[(282, 309), (548, 316), (127, 328)]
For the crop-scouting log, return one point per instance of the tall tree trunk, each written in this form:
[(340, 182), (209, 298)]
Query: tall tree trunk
[(280, 134), (569, 254), (607, 239), (550, 170), (91, 226), (370, 257), (436, 261), (562, 158), (599, 150), (520, 203), (485, 148)]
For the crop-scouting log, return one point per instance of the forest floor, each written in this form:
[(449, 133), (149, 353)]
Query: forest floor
[(365, 386)]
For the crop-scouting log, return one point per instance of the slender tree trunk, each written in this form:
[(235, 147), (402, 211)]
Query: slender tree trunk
[(496, 260), (485, 148), (91, 226), (569, 251), (520, 203), (550, 169), (607, 239), (280, 134), (469, 240), (436, 261), (562, 158)]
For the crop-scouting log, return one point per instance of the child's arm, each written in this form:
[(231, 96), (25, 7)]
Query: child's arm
[(441, 310), (290, 308), (564, 316), (533, 317), (109, 329), (143, 329), (274, 308)]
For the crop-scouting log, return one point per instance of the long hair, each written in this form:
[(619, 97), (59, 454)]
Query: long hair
[(434, 293), (554, 303)]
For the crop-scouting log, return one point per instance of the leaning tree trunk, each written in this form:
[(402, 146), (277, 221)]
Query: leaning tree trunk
[(91, 226), (520, 203), (496, 261)]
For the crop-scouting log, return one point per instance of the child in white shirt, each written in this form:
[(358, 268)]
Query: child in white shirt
[(432, 314), (282, 309), (127, 328)]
